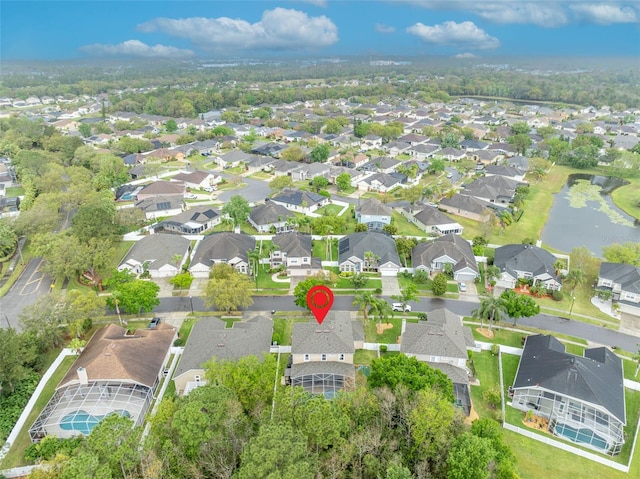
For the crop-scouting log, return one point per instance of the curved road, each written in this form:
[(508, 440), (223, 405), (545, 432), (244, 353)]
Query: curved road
[(595, 334)]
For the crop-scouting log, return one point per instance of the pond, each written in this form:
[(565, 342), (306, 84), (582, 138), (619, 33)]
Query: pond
[(583, 214)]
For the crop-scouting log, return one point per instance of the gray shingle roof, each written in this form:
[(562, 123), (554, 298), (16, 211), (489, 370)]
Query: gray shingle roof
[(373, 206), (526, 258), (626, 275), (270, 213), (451, 245), (441, 335), (158, 249), (210, 337), (333, 336), (596, 378), (297, 197), (323, 367), (465, 203), (430, 216), (225, 246), (296, 245), (357, 244)]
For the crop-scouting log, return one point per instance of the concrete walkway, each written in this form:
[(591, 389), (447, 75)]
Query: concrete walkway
[(275, 279)]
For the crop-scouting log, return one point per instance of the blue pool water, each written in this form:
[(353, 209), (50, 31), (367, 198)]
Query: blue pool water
[(584, 436), (83, 422)]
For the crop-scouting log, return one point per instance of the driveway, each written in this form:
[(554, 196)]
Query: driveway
[(390, 286)]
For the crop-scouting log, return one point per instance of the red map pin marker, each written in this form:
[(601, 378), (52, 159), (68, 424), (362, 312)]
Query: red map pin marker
[(320, 300)]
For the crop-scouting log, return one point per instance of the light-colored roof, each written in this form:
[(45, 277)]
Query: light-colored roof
[(441, 335), (333, 336)]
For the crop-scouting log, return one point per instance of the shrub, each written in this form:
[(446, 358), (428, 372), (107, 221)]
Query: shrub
[(495, 349), (492, 397), (421, 276), (378, 291), (383, 348), (557, 296), (179, 342), (422, 316), (276, 339)]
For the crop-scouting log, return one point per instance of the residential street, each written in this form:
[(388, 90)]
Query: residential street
[(597, 335)]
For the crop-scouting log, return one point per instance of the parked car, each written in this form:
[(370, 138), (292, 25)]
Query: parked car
[(191, 196), (154, 322), (210, 189), (462, 286), (398, 307)]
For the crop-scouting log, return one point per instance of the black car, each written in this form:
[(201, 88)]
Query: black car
[(154, 322)]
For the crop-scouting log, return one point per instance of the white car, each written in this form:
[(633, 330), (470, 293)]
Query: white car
[(191, 196), (210, 189), (462, 286), (398, 307)]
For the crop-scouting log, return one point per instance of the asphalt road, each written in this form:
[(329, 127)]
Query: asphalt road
[(31, 284), (596, 334), (254, 191)]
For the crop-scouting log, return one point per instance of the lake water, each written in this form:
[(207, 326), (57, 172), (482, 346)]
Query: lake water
[(583, 214)]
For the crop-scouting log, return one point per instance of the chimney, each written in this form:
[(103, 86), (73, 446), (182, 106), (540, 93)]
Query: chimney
[(82, 376)]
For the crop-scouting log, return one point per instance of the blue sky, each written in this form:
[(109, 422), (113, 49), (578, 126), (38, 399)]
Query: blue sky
[(58, 29)]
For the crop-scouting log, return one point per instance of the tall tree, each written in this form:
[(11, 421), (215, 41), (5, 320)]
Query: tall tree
[(238, 209), (15, 353), (519, 305), (227, 289), (469, 456), (320, 153), (363, 300), (491, 309), (135, 296), (276, 451), (628, 253), (439, 284)]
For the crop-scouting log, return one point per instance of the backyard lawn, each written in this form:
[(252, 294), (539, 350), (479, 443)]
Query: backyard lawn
[(536, 460), (390, 334), (283, 327), (627, 197)]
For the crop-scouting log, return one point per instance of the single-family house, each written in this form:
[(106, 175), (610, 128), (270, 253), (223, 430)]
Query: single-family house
[(292, 251), (321, 358), (210, 339), (232, 159), (381, 182), (260, 163), (310, 171), (117, 372), (197, 179), (368, 251), (450, 249), (161, 255), (160, 206), (432, 221), (581, 396), (224, 247), (300, 201), (271, 217), (465, 206), (492, 189), (452, 154), (509, 172), (162, 188), (526, 261), (423, 151), (194, 221), (623, 281), (442, 342), (374, 214)]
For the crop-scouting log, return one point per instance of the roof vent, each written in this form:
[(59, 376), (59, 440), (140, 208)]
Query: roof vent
[(221, 345)]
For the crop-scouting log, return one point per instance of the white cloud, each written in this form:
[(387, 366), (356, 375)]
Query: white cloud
[(605, 14), (136, 48), (317, 3), (466, 55), (279, 28), (549, 13), (382, 28), (462, 35)]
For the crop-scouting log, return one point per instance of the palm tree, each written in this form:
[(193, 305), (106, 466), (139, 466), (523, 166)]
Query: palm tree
[(558, 266), (380, 308), (370, 260), (254, 257), (364, 299), (575, 278), (491, 309)]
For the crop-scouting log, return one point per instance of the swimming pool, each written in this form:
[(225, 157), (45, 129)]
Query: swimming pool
[(581, 436), (83, 422)]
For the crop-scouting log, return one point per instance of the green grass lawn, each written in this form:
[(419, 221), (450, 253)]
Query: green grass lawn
[(15, 191), (186, 327), (14, 457), (265, 281), (319, 250), (536, 460), (404, 227), (244, 228), (364, 357), (283, 327), (627, 197), (389, 336), (329, 210), (582, 305)]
